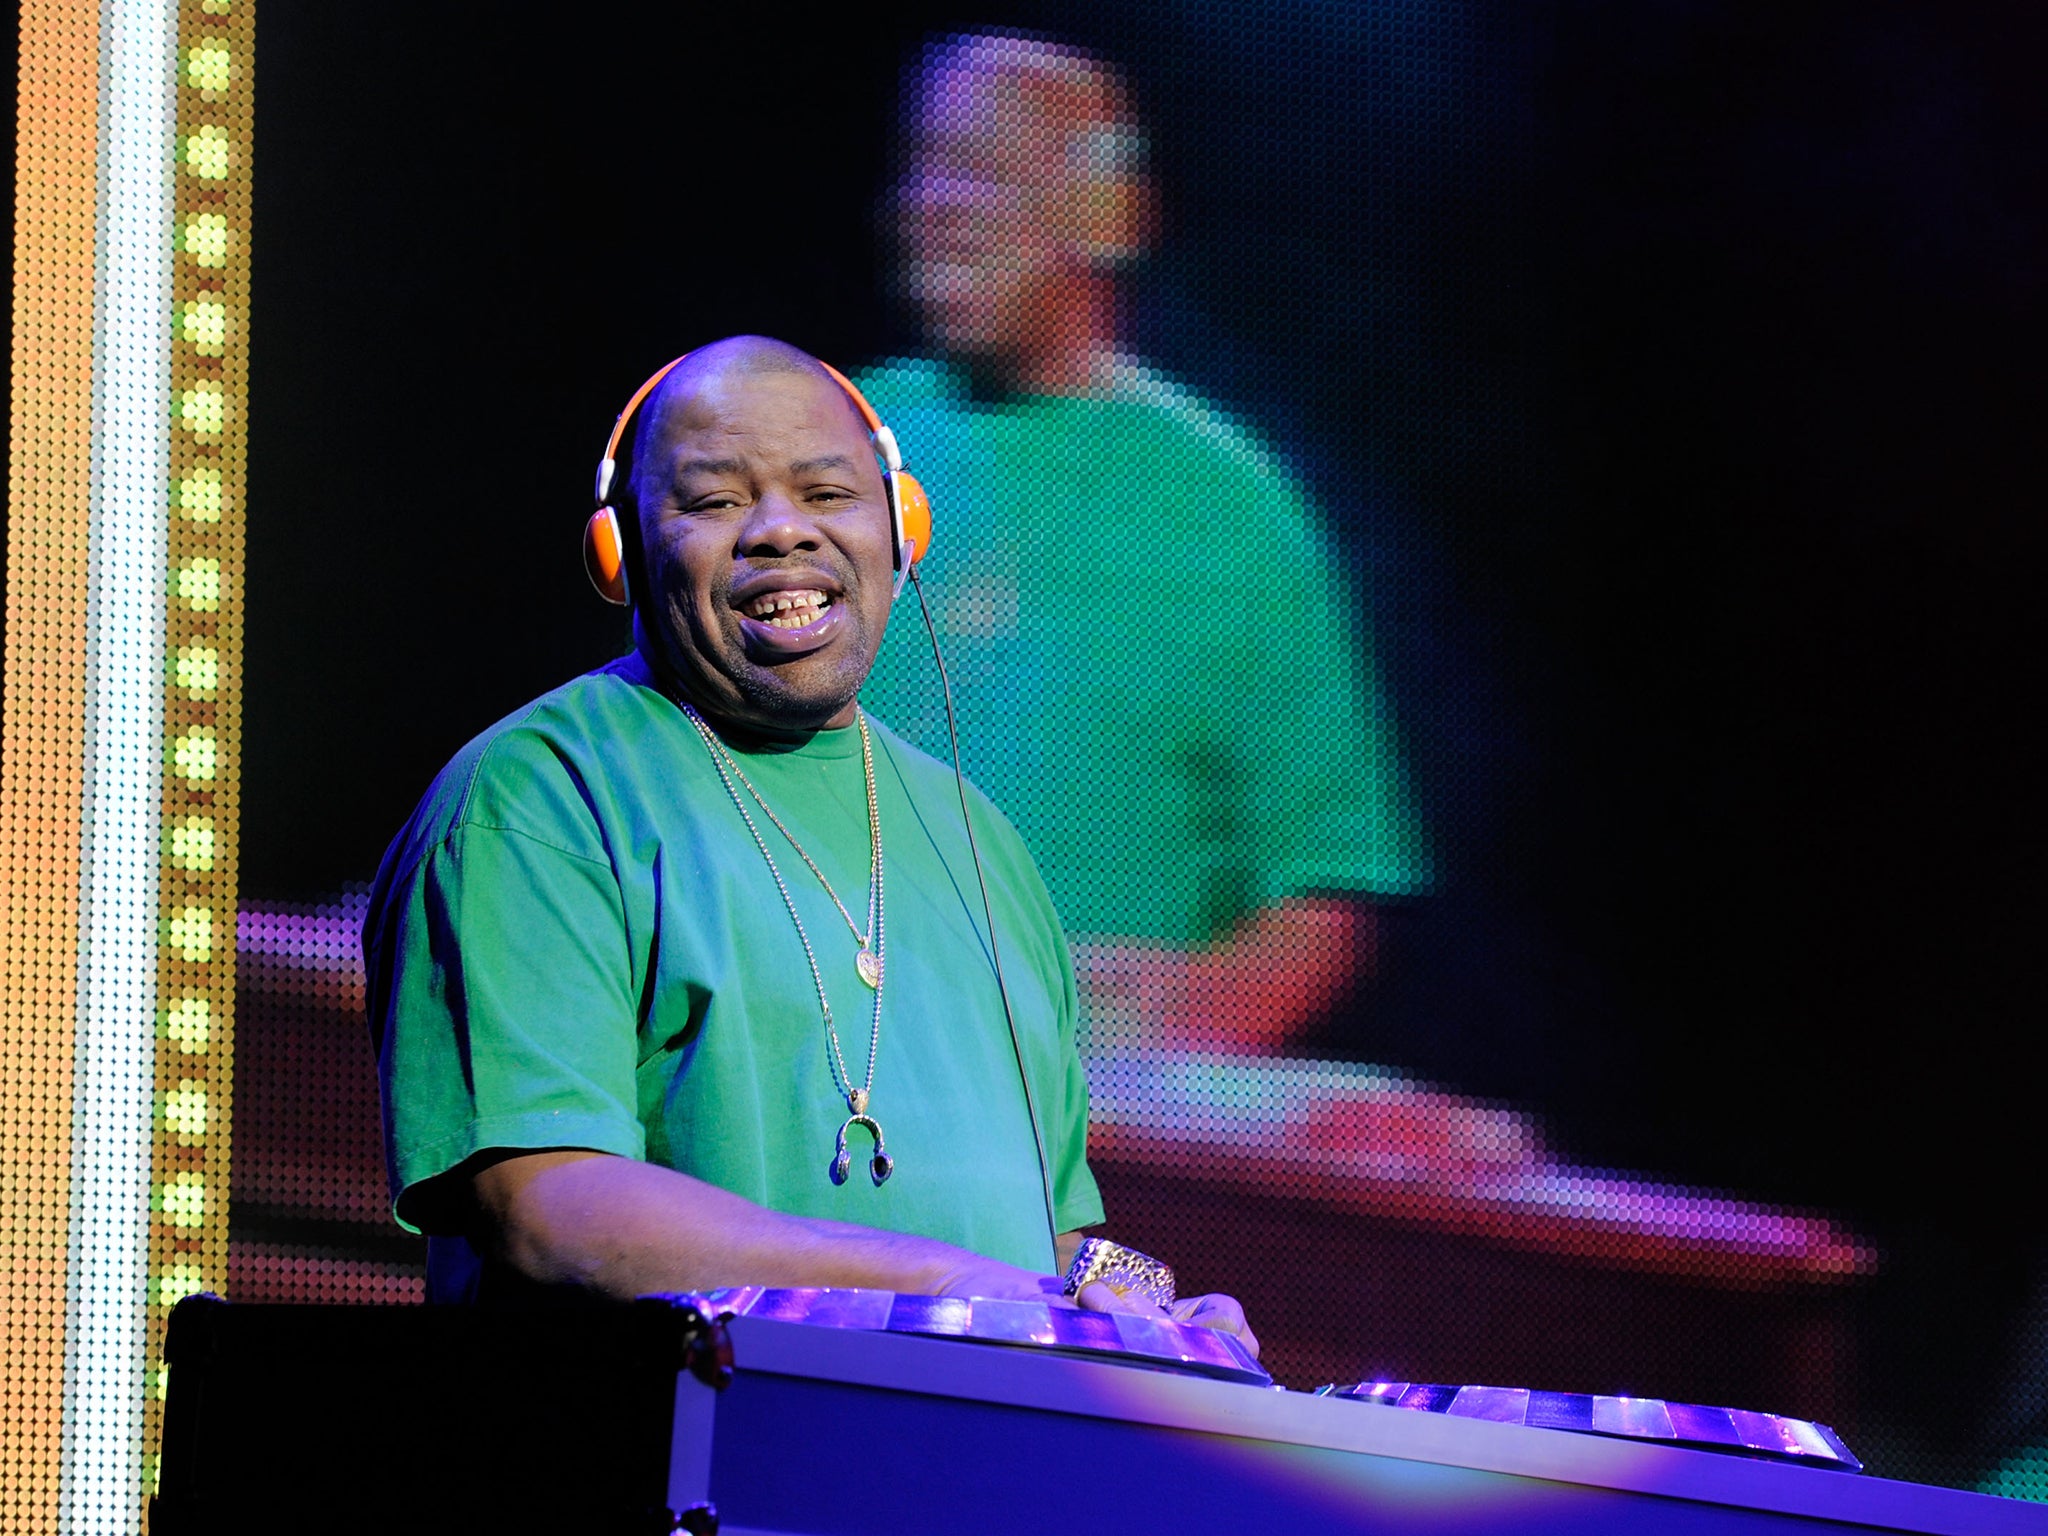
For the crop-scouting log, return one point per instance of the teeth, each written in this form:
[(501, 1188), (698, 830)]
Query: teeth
[(788, 610)]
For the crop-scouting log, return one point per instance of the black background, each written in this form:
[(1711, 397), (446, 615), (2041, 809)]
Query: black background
[(1672, 371)]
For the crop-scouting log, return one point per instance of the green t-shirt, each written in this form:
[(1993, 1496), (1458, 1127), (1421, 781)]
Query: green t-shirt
[(575, 942), (1162, 670)]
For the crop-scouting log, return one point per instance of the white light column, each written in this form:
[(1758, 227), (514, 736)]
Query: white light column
[(107, 1376)]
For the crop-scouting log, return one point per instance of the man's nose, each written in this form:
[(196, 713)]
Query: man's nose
[(940, 194), (776, 525)]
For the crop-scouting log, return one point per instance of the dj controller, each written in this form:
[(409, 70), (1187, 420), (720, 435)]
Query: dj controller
[(857, 1413)]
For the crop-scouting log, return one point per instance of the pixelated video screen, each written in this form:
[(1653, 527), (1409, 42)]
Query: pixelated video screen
[(1446, 551)]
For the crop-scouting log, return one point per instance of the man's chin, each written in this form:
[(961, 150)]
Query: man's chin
[(795, 696)]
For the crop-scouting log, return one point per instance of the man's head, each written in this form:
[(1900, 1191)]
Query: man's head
[(1025, 190), (765, 554)]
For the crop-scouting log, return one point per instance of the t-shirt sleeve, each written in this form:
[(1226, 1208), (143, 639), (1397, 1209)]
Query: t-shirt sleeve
[(1327, 804), (1076, 1200), (507, 1008)]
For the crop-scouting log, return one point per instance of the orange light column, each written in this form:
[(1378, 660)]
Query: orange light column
[(42, 768)]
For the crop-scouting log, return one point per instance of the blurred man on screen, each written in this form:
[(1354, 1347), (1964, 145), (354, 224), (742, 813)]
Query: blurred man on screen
[(1166, 668)]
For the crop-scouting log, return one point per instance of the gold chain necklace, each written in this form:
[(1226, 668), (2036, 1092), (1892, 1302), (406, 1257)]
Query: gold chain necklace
[(868, 961)]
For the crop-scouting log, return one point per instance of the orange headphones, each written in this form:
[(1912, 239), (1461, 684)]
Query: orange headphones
[(910, 510)]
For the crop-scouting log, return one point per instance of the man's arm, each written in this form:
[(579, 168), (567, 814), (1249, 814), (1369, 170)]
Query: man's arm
[(1276, 976), (623, 1228), (1065, 1246), (1284, 966)]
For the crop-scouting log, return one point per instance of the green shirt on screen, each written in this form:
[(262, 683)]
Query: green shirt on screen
[(1162, 670), (575, 942)]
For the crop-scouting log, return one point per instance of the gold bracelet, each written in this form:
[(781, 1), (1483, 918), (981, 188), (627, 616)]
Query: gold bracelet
[(1123, 1270)]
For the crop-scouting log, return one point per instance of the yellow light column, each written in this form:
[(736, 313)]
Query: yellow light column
[(202, 682)]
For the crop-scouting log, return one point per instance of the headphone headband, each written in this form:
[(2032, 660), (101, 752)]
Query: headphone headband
[(885, 440)]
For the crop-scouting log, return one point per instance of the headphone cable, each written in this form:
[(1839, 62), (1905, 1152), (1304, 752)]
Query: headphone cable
[(988, 912)]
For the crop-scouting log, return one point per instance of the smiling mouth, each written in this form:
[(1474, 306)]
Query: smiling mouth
[(797, 609)]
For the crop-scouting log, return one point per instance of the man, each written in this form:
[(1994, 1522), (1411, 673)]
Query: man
[(1166, 669), (604, 955)]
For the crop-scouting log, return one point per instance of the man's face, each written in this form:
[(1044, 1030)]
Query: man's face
[(987, 213), (768, 559)]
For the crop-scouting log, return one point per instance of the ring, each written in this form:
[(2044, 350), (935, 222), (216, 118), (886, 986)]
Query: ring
[(1123, 1270)]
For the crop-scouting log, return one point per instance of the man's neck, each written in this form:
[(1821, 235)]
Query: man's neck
[(1076, 355), (992, 381), (746, 734)]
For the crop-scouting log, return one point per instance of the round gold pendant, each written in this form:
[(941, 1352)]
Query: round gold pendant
[(869, 967)]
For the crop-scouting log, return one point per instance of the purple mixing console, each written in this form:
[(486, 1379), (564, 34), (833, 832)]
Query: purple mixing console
[(863, 1412)]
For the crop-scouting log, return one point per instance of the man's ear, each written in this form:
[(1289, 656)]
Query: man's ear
[(1119, 217)]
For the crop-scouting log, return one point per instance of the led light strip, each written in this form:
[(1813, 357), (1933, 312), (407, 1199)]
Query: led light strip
[(42, 750), (201, 682), (115, 1078), (118, 771)]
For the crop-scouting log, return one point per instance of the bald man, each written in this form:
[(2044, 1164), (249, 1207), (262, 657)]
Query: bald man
[(680, 976), (1163, 669)]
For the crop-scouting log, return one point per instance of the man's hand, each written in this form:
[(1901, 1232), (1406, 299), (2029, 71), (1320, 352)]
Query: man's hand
[(1216, 1311), (624, 1228), (990, 1278)]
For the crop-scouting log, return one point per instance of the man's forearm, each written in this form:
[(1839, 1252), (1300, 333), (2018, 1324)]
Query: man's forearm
[(1262, 989), (625, 1228)]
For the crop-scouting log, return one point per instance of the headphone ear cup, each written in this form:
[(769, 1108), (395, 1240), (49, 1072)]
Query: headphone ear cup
[(604, 557), (910, 513)]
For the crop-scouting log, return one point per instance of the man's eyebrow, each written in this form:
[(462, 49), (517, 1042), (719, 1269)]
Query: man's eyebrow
[(710, 467), (703, 466)]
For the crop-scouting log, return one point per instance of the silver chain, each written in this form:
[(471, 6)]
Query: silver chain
[(729, 769), (867, 759)]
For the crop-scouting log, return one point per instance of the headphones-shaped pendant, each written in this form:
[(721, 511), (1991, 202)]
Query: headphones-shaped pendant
[(880, 1166)]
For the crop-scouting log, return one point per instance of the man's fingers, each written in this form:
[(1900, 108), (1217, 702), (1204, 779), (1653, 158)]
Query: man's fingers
[(1214, 1311), (1217, 1311), (1098, 1296)]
